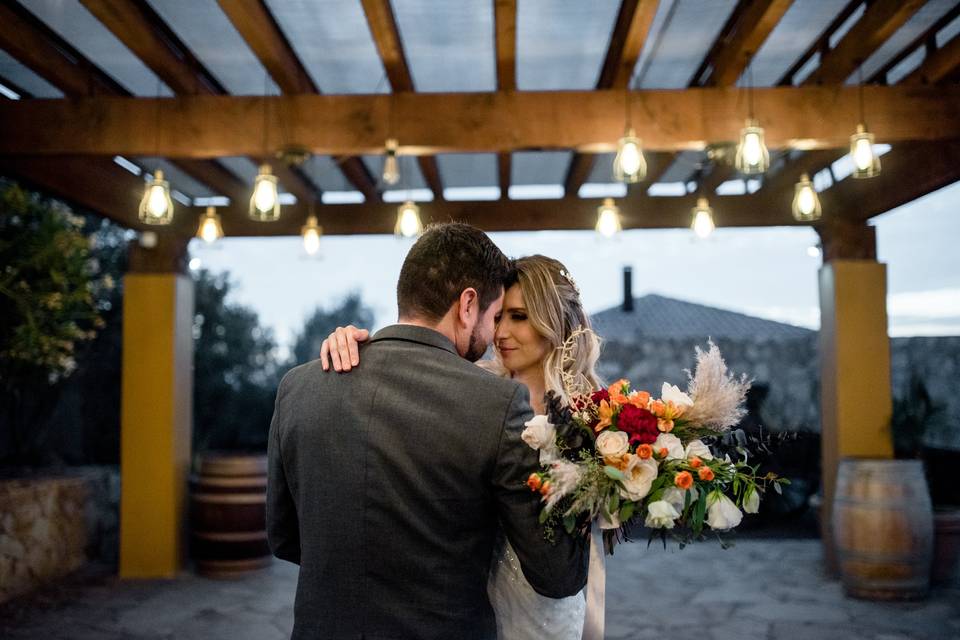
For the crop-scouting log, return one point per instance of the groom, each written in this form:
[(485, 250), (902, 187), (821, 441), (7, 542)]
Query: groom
[(386, 486)]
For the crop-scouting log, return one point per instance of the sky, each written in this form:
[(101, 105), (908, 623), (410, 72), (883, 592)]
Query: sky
[(766, 272)]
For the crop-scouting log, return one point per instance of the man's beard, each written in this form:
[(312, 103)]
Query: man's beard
[(476, 347)]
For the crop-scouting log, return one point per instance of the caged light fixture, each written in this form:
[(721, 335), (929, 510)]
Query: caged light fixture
[(391, 168), (702, 223), (866, 162), (156, 206), (408, 220), (265, 201), (608, 219), (806, 202), (311, 233), (210, 230), (752, 157), (629, 165)]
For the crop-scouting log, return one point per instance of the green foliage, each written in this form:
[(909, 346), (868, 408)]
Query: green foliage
[(323, 321), (913, 415)]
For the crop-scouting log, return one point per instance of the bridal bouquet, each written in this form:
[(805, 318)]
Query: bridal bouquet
[(620, 455)]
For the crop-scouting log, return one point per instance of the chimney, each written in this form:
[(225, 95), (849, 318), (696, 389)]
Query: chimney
[(628, 289)]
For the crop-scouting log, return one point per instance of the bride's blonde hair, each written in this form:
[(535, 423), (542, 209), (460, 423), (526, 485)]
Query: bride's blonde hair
[(555, 311)]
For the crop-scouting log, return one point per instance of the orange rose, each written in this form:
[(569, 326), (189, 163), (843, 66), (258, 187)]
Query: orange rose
[(644, 451), (639, 399), (706, 474), (666, 426), (657, 408), (683, 480), (545, 487), (615, 390), (534, 481), (696, 462), (663, 452)]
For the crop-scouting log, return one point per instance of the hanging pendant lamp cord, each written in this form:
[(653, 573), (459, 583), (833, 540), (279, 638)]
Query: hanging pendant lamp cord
[(860, 95)]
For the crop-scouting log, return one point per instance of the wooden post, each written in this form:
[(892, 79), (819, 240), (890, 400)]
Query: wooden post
[(855, 394), (156, 409)]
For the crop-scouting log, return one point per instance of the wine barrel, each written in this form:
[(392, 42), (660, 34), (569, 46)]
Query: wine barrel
[(228, 515), (883, 529)]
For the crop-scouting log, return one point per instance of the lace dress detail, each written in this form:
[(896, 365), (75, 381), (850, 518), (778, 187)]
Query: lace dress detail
[(521, 612)]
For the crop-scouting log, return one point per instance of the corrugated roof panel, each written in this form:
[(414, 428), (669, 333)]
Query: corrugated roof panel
[(212, 38), (561, 44), (76, 25), (333, 41), (449, 46)]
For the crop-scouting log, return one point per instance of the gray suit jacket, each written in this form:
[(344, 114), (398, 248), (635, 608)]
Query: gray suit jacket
[(386, 486)]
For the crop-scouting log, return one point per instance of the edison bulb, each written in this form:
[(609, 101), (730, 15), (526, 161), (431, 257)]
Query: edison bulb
[(311, 241), (265, 195), (157, 201), (208, 231), (752, 149), (863, 154), (608, 219)]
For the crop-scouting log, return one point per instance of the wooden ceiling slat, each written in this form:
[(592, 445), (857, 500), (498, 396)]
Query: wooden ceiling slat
[(927, 40), (215, 126), (505, 32), (821, 44), (940, 65), (629, 34), (880, 20), (748, 28), (259, 29), (386, 37), (145, 33)]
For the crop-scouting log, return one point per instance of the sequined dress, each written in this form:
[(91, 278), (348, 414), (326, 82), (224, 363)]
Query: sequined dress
[(521, 612)]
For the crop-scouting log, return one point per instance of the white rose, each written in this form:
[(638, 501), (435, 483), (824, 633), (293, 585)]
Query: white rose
[(752, 503), (672, 393), (540, 434), (612, 443), (661, 515), (697, 448), (722, 513), (677, 496), (671, 443), (638, 477)]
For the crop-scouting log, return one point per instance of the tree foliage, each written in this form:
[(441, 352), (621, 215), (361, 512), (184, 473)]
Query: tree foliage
[(322, 321)]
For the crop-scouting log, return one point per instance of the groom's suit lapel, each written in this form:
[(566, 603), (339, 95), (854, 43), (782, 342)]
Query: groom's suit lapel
[(412, 333)]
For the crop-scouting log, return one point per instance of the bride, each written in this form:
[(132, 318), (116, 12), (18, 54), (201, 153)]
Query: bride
[(541, 310)]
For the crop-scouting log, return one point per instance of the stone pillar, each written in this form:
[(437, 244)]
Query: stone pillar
[(855, 395), (156, 409)]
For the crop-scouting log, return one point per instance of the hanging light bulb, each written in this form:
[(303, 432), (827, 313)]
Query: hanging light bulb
[(866, 163), (408, 220), (752, 156), (702, 224), (806, 202), (311, 233), (156, 207), (209, 229), (608, 219), (391, 169), (265, 202), (629, 164)]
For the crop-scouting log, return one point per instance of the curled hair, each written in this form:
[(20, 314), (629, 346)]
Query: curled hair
[(555, 312)]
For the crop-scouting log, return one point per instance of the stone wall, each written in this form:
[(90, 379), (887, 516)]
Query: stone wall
[(42, 532), (790, 371)]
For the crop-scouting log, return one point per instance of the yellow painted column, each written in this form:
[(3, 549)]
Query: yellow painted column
[(855, 395), (156, 423)]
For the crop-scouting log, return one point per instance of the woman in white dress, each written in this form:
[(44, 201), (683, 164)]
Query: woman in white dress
[(541, 310)]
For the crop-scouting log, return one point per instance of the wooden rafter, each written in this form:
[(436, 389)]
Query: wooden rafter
[(880, 20), (939, 65), (821, 44), (37, 47), (214, 126), (257, 26), (505, 32), (386, 36), (927, 40), (748, 27), (626, 43)]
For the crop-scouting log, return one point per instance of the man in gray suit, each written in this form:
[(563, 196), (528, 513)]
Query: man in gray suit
[(387, 485)]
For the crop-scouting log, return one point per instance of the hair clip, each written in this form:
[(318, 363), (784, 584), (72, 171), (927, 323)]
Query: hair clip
[(570, 279)]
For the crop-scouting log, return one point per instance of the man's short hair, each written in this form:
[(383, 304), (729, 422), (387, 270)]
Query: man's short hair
[(447, 259)]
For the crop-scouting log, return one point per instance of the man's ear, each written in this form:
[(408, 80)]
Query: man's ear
[(469, 305)]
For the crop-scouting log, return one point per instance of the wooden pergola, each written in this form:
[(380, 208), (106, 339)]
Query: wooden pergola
[(67, 145)]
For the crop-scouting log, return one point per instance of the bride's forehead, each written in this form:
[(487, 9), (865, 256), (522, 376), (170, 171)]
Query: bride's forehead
[(513, 298)]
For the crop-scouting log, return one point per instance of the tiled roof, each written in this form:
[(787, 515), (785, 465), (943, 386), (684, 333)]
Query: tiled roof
[(656, 316)]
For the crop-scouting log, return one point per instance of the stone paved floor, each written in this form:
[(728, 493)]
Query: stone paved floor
[(764, 589)]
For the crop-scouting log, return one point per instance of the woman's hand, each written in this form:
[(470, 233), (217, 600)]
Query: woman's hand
[(341, 348)]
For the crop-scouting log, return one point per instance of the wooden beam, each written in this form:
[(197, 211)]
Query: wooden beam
[(215, 126), (939, 65), (927, 40), (503, 173), (881, 19), (386, 36), (626, 42), (139, 27), (505, 34), (821, 44), (257, 26), (747, 29)]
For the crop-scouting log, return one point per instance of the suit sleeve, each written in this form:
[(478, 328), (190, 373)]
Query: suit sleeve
[(553, 570), (283, 525)]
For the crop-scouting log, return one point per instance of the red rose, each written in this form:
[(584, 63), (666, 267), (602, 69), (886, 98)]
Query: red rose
[(639, 423), (597, 396)]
